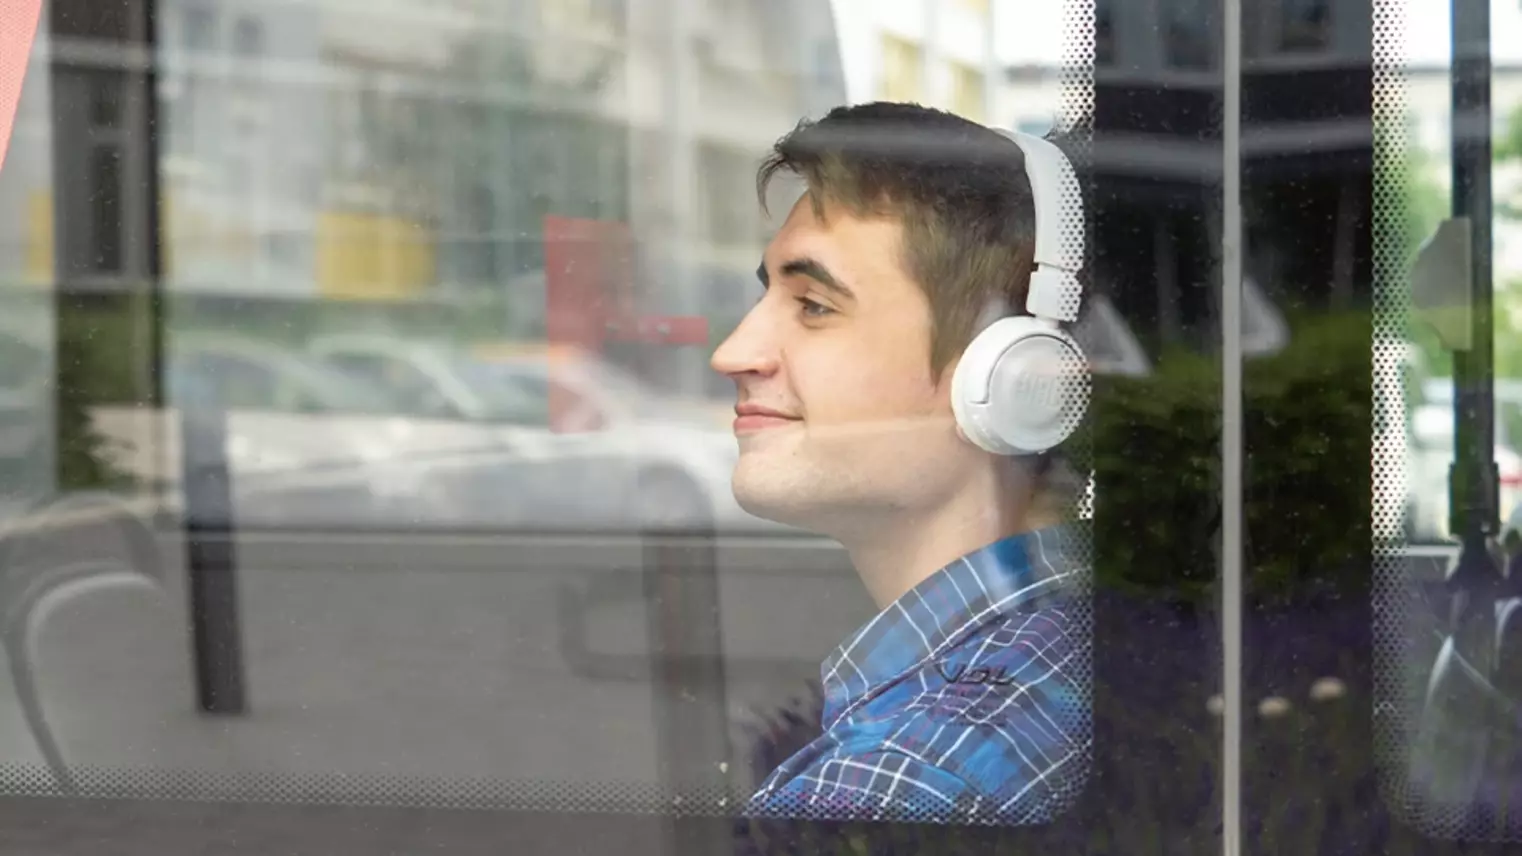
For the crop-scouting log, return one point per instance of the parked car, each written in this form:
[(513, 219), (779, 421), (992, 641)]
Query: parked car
[(621, 457), (304, 445)]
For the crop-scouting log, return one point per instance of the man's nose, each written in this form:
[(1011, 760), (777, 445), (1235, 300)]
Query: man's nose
[(750, 349)]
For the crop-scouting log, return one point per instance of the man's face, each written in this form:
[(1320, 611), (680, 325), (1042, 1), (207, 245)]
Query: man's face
[(841, 424)]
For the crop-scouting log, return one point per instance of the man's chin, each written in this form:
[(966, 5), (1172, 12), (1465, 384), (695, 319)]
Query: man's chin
[(782, 514), (787, 505)]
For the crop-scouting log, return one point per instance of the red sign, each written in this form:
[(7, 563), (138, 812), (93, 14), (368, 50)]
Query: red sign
[(590, 298), (18, 25)]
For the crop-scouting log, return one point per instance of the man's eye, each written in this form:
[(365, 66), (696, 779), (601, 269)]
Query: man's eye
[(813, 308)]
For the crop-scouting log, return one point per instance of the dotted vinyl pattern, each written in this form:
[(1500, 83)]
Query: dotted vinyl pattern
[(1076, 125), (504, 793), (363, 790), (1393, 702), (1399, 674)]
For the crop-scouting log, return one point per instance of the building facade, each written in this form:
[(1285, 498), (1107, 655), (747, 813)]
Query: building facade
[(413, 157)]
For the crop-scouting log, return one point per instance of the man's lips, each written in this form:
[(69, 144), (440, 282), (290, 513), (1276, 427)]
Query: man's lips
[(750, 418)]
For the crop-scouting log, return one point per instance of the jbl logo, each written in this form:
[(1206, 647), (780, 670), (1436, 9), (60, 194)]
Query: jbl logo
[(1039, 388)]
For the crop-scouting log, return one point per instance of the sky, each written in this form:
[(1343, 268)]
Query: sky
[(1428, 32)]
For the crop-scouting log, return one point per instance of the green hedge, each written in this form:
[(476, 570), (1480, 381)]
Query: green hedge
[(1307, 467), (100, 350)]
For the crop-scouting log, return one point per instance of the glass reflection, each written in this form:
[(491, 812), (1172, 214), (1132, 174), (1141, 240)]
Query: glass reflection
[(1446, 685), (392, 326)]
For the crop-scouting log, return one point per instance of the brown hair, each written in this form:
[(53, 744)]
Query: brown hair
[(958, 188)]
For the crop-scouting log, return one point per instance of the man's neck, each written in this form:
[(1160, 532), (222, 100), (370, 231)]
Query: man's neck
[(901, 553)]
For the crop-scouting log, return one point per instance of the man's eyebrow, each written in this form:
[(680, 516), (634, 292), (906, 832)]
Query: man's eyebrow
[(812, 269)]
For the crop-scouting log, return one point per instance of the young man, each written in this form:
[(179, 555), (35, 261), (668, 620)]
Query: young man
[(964, 699)]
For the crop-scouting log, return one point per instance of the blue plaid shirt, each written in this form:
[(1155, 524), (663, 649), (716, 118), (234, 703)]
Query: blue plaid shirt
[(966, 700)]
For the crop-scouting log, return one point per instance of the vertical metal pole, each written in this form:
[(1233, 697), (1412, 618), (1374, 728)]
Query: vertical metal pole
[(215, 625), (153, 232), (1232, 585), (1473, 479), (216, 629)]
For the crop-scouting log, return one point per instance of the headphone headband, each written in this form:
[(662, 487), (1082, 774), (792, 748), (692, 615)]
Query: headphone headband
[(1021, 386), (1054, 292)]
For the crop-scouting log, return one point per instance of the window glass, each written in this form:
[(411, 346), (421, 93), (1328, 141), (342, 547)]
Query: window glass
[(1189, 43), (1444, 589), (408, 407), (902, 68), (967, 91), (1104, 33), (235, 383), (1305, 25), (514, 396), (409, 386)]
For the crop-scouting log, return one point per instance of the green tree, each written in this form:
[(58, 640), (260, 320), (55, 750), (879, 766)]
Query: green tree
[(1507, 151), (1427, 202)]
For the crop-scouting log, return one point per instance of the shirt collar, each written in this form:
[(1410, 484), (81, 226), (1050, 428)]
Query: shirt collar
[(1010, 575)]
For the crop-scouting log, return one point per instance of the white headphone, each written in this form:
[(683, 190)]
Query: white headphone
[(1022, 385)]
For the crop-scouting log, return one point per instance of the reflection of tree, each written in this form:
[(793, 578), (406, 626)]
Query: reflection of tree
[(1508, 152), (1508, 302), (1424, 204), (1427, 203)]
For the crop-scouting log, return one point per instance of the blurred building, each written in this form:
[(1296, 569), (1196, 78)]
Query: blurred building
[(393, 150), (936, 53), (1157, 166), (1307, 162)]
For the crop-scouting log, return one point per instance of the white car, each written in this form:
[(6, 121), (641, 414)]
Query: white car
[(621, 457), (305, 446)]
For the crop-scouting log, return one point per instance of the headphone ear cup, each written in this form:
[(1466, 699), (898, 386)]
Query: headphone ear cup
[(1021, 387)]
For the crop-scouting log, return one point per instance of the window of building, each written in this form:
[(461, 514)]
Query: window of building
[(1305, 25), (200, 28), (597, 18), (724, 183), (903, 69), (1104, 32), (968, 92), (1191, 33), (248, 37)]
